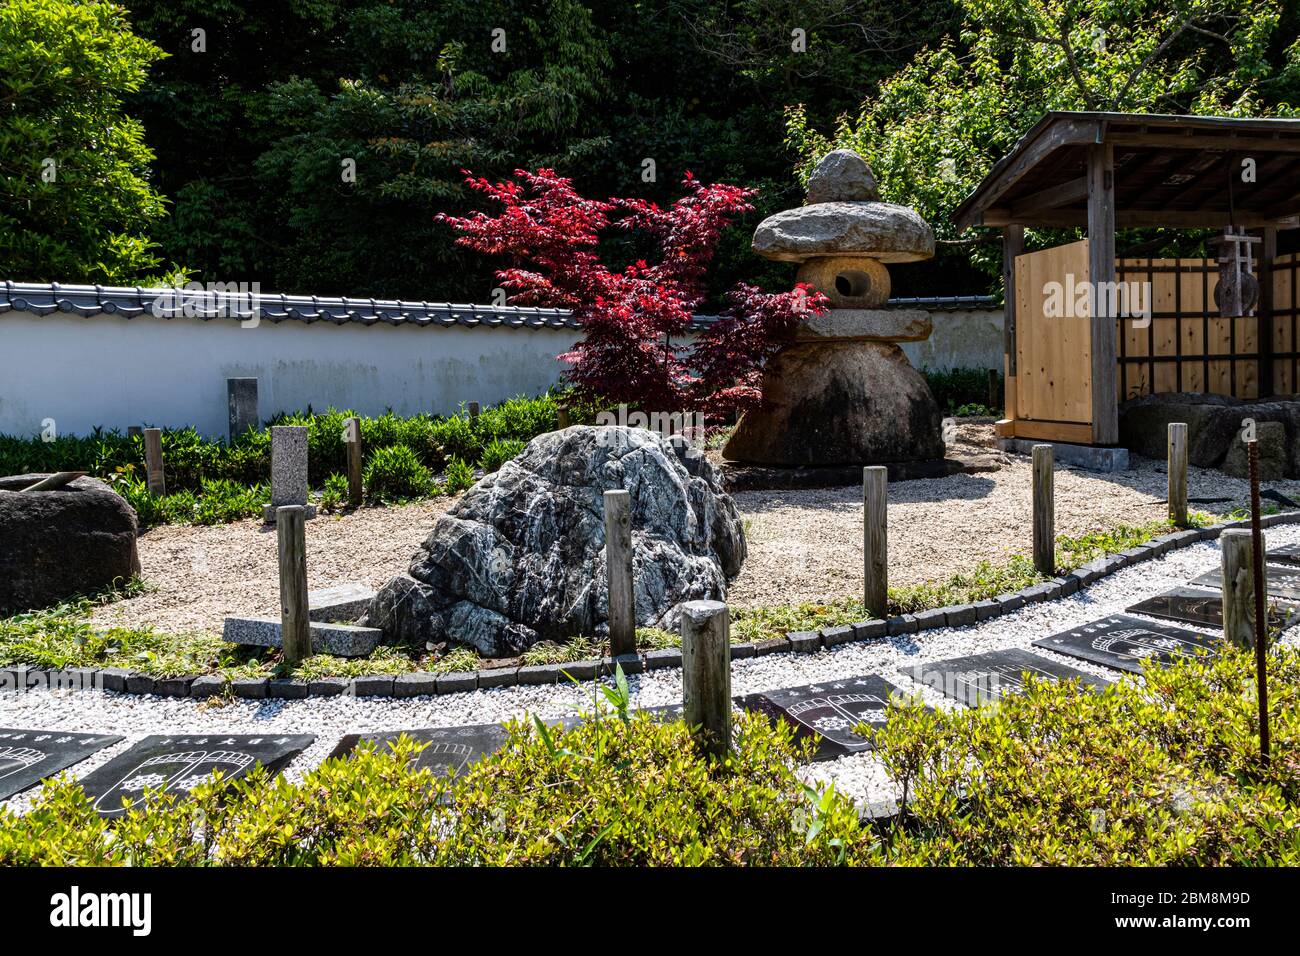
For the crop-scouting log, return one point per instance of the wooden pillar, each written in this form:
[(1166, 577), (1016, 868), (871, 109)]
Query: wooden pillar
[(1176, 466), (1044, 512), (562, 418), (1101, 273), (153, 461), (706, 674), (618, 572), (1238, 587), (474, 410), (295, 625), (1268, 253), (1013, 244), (352, 439), (875, 539)]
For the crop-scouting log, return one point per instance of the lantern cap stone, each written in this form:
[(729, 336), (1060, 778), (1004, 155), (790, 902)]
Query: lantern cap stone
[(841, 176), (878, 230)]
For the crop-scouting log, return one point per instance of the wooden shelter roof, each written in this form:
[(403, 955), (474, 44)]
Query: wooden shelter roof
[(1169, 171)]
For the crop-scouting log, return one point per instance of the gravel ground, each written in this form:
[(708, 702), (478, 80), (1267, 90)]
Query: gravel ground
[(803, 545), (859, 776)]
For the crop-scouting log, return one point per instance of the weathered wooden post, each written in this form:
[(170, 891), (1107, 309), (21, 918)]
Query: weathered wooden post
[(153, 461), (474, 410), (134, 431), (1238, 587), (618, 572), (875, 539), (295, 626), (1044, 512), (995, 393), (562, 418), (706, 674), (1177, 468), (352, 439)]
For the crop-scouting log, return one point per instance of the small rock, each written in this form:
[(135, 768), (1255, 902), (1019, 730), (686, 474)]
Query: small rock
[(841, 176)]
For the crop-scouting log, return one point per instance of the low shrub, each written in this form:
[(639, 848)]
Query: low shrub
[(395, 473), (334, 492), (498, 452), (954, 388), (1162, 772), (609, 792), (458, 477)]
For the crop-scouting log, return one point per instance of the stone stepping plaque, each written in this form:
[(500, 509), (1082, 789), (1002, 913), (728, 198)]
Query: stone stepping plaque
[(449, 750), (827, 712), (1202, 608), (987, 678), (1287, 554), (1124, 642), (29, 756), (177, 764), (1283, 581)]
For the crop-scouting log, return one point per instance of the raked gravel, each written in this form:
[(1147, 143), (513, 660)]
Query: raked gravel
[(859, 776)]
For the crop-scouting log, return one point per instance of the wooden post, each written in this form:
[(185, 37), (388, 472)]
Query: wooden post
[(352, 438), (1267, 255), (134, 431), (1044, 512), (1260, 631), (995, 396), (618, 570), (153, 461), (706, 674), (875, 539), (1013, 244), (1177, 468), (562, 418), (474, 410), (295, 625), (1238, 587), (1101, 274)]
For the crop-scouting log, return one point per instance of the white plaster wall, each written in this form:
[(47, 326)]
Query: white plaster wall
[(106, 370), (960, 340)]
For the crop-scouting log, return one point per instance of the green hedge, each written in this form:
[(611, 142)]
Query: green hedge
[(1161, 772)]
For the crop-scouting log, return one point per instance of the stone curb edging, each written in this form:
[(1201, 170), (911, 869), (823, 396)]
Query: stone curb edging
[(420, 683)]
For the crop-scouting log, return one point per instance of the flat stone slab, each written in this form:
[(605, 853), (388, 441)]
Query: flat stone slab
[(883, 230), (341, 640), (178, 764), (827, 712), (1202, 608), (1063, 453), (1124, 642), (448, 750), (1287, 554), (1283, 580), (339, 603), (29, 756), (884, 325), (987, 678)]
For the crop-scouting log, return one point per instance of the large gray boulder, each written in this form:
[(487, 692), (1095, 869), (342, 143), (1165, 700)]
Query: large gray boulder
[(1214, 425), (521, 557), (77, 539)]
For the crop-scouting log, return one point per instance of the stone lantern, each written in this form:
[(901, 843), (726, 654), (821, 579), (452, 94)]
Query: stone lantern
[(843, 393)]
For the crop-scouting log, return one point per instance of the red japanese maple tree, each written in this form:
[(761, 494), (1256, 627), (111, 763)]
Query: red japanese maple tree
[(631, 317)]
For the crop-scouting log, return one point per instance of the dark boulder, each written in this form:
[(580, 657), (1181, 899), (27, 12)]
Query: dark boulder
[(1214, 424), (73, 540), (521, 557)]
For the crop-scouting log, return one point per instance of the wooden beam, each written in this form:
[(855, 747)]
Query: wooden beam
[(1062, 194), (1101, 273), (1227, 143), (1268, 252), (1138, 218)]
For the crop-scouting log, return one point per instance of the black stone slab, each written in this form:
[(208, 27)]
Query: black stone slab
[(29, 756), (180, 762), (1203, 608), (448, 750), (1283, 581), (827, 712), (1123, 642), (987, 678), (1287, 554)]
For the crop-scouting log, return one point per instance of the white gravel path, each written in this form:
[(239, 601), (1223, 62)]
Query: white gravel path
[(860, 776)]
